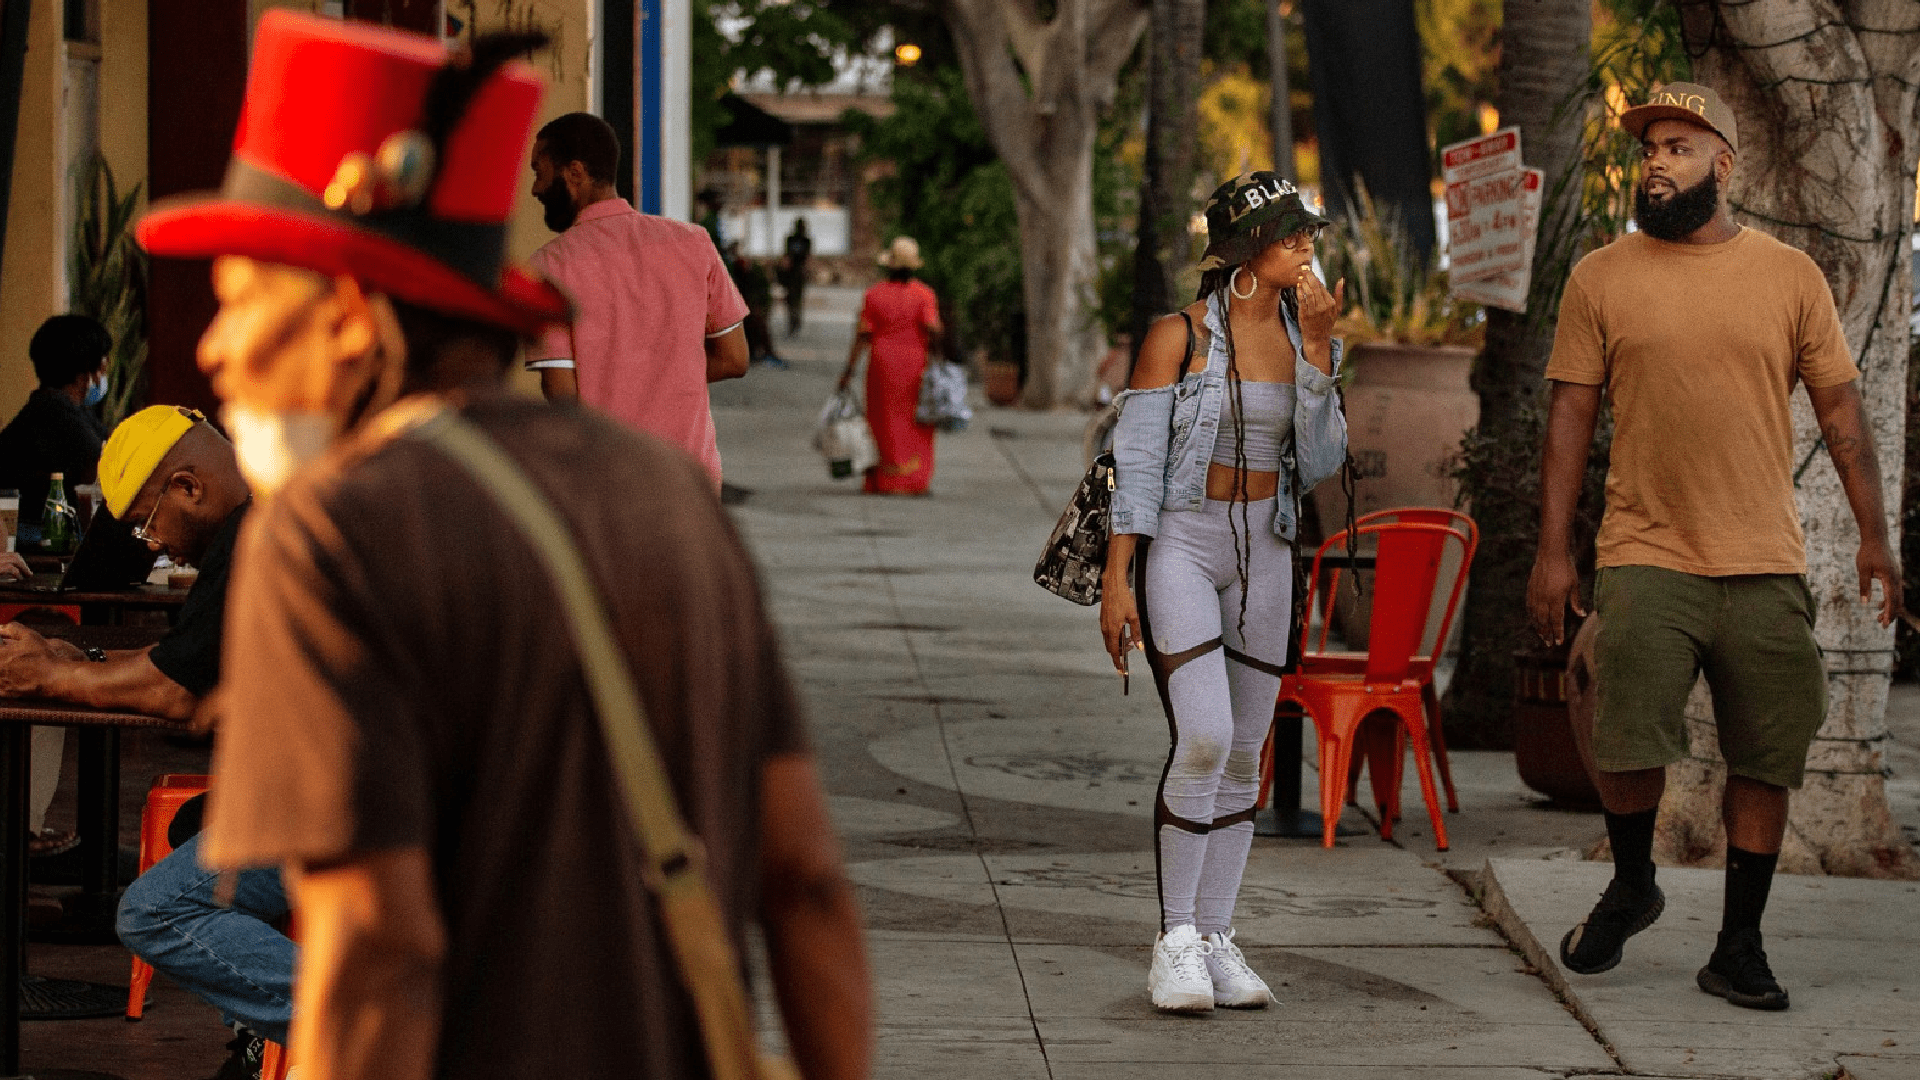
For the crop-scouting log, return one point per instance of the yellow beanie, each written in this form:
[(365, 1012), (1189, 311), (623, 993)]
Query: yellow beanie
[(136, 448)]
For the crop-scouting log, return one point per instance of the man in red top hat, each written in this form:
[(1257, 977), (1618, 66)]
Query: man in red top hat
[(405, 722)]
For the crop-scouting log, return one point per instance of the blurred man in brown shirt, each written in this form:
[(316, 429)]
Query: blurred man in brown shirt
[(405, 720)]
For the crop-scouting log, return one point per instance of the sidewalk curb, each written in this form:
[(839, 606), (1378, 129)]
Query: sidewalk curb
[(1546, 960), (1493, 900)]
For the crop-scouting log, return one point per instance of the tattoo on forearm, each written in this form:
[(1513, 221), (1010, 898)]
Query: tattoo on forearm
[(1851, 450)]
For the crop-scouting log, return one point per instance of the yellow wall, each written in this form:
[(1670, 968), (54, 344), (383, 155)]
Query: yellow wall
[(565, 66), (123, 90), (30, 272), (32, 277)]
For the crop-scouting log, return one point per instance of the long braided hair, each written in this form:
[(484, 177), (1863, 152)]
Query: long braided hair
[(1213, 281)]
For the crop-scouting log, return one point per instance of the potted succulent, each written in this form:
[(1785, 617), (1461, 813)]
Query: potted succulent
[(1409, 352), (106, 278)]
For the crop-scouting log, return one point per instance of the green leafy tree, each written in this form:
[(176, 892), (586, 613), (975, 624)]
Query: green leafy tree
[(952, 194)]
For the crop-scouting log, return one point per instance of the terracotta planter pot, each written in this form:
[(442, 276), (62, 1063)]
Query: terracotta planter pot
[(1407, 408), (1546, 750), (1002, 379)]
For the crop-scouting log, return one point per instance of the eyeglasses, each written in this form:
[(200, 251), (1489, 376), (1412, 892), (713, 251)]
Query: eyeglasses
[(144, 533)]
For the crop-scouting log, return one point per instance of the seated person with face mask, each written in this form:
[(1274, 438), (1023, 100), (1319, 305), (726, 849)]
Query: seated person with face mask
[(58, 430)]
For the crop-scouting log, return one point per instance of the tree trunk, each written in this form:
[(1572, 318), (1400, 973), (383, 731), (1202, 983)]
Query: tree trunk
[(1039, 87), (1279, 95), (1544, 47), (1166, 182), (1825, 93)]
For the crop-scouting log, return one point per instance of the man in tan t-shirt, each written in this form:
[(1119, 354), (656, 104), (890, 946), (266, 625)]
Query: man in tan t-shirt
[(1699, 330)]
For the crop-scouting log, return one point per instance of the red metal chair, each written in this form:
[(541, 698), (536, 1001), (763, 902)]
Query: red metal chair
[(1433, 642), (1415, 562), (275, 1062), (164, 800)]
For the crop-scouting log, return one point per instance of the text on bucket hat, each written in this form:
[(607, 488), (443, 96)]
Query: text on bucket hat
[(137, 447), (377, 155), (1250, 211), (902, 254), (1691, 102)]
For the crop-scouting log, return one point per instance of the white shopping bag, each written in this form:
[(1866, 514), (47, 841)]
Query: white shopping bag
[(843, 438)]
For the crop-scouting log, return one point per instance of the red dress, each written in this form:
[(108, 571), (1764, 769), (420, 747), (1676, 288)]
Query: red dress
[(898, 315)]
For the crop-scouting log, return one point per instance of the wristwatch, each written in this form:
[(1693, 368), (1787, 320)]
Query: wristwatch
[(96, 654)]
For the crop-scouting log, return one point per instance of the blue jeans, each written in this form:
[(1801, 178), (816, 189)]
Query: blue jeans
[(229, 955)]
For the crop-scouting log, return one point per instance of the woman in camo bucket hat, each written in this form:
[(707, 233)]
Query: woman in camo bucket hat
[(1229, 420), (1251, 211)]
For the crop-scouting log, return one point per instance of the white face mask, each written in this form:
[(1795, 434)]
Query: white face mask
[(272, 446)]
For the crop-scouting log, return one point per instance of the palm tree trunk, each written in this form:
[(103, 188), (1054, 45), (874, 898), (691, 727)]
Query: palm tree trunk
[(1166, 181), (1544, 46)]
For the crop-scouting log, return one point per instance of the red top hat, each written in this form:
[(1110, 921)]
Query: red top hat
[(375, 154)]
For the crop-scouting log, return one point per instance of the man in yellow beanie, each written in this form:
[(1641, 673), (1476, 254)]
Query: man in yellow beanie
[(175, 479)]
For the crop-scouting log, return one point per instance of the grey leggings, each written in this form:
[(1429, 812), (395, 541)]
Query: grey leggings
[(1218, 688)]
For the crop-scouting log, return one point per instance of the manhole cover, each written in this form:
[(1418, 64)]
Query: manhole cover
[(69, 999), (912, 627)]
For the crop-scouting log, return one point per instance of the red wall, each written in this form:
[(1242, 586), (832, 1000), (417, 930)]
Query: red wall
[(196, 79)]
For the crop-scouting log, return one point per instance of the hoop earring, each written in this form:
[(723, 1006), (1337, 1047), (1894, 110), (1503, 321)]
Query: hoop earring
[(1233, 284)]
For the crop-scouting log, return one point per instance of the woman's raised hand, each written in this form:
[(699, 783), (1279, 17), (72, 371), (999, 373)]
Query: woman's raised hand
[(1318, 307)]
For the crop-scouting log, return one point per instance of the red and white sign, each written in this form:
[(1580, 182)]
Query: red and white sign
[(1488, 228), (1484, 156), (1509, 290)]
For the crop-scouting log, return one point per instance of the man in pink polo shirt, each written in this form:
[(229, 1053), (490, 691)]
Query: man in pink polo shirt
[(657, 317)]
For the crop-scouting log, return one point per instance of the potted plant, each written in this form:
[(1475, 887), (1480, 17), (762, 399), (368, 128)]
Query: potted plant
[(1408, 355), (1501, 478), (106, 278)]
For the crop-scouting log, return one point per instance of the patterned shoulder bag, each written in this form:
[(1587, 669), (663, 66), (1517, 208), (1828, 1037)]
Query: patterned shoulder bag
[(1076, 553)]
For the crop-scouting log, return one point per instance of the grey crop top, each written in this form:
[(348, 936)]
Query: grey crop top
[(1269, 425)]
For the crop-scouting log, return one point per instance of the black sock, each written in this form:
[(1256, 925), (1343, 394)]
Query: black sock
[(1749, 878), (1632, 837)]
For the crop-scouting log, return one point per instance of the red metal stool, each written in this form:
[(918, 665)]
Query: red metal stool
[(164, 799), (275, 1062)]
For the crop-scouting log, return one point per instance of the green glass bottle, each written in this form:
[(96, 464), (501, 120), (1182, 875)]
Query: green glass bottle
[(59, 525)]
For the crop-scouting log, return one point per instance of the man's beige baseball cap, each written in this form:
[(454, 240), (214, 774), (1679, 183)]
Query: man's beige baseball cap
[(1691, 102)]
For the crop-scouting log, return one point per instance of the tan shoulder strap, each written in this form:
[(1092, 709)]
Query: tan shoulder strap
[(673, 860)]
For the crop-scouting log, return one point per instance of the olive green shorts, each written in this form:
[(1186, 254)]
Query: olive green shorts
[(1751, 634)]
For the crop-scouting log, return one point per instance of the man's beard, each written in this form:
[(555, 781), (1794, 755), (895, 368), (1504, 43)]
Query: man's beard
[(1680, 214), (556, 205)]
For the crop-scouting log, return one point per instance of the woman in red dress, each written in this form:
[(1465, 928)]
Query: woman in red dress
[(899, 323)]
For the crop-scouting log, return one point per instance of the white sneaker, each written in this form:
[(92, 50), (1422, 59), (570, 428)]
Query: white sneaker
[(1178, 979), (1235, 986)]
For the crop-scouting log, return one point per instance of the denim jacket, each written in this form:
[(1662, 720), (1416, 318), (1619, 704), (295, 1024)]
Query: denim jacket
[(1164, 438)]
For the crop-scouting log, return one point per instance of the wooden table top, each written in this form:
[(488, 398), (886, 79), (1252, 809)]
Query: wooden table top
[(42, 711), (110, 638), (138, 596), (67, 714)]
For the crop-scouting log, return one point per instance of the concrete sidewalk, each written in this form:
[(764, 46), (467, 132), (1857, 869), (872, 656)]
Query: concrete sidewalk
[(994, 793)]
